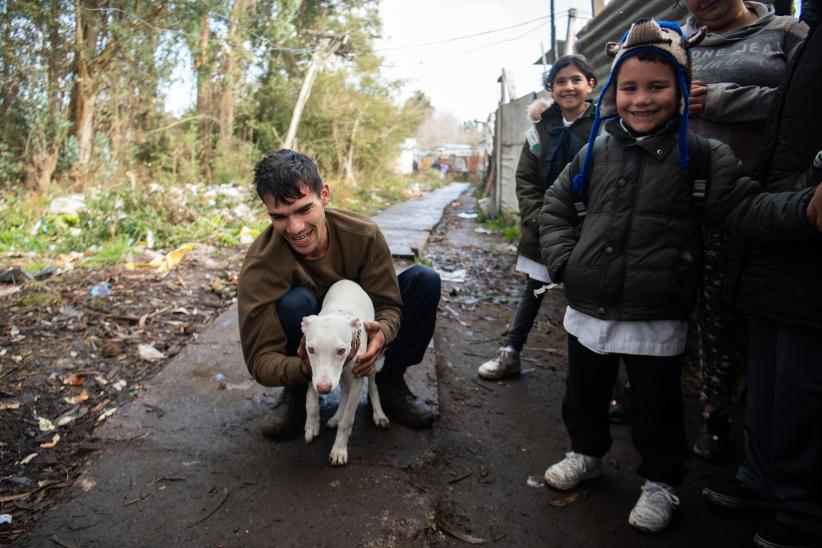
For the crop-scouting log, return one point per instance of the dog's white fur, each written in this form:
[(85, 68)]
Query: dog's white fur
[(328, 337)]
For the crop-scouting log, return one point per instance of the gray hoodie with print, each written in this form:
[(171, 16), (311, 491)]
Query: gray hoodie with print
[(742, 68)]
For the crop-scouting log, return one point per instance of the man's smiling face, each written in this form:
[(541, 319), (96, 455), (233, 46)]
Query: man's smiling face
[(302, 222)]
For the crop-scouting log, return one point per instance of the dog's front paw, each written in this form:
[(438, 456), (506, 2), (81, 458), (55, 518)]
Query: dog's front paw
[(338, 456), (333, 422), (381, 421), (311, 432)]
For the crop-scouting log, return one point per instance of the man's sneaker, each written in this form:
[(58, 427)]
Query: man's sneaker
[(776, 534), (714, 441), (652, 512), (398, 401), (574, 468), (287, 418), (736, 495), (506, 362)]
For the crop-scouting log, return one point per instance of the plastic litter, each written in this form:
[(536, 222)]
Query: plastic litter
[(535, 481), (149, 353), (219, 377), (100, 290), (5, 519)]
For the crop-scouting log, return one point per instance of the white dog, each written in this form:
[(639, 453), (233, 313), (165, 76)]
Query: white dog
[(328, 338)]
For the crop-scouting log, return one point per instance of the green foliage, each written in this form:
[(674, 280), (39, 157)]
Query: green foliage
[(506, 224)]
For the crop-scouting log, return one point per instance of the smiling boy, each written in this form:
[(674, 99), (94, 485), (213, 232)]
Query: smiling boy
[(621, 230), (289, 268)]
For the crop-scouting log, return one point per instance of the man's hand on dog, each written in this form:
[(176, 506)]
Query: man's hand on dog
[(376, 342)]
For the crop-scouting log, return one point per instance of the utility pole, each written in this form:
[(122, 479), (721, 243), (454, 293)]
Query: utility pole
[(569, 32), (326, 49), (553, 35)]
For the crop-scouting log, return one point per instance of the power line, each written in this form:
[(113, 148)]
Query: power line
[(422, 44)]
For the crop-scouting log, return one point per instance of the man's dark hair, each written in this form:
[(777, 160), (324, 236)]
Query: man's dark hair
[(282, 174)]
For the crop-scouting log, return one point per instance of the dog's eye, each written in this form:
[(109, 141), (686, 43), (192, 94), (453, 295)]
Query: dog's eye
[(340, 351), (310, 349)]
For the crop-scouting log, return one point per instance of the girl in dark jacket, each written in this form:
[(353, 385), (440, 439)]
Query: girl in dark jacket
[(560, 129)]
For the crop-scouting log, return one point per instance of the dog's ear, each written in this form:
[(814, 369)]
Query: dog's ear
[(306, 322)]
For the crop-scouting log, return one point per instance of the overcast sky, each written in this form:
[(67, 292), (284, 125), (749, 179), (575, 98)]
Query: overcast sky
[(460, 76)]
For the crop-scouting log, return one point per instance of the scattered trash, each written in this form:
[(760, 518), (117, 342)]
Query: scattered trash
[(119, 385), (560, 503), (11, 290), (459, 535), (5, 519), (457, 276), (79, 398), (535, 481), (15, 276), (149, 238), (28, 458), (335, 484), (55, 439), (482, 230), (248, 235), (220, 378), (100, 290), (106, 414), (69, 311), (18, 480), (64, 420), (75, 379), (47, 272), (467, 215), (67, 205), (4, 405), (164, 263), (149, 353), (45, 424)]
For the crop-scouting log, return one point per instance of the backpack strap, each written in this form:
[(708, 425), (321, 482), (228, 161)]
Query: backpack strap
[(699, 170)]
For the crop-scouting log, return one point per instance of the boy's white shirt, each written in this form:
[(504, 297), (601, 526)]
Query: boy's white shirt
[(642, 338)]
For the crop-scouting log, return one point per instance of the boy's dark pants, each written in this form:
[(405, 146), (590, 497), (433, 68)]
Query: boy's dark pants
[(420, 291), (526, 313), (783, 421), (657, 427)]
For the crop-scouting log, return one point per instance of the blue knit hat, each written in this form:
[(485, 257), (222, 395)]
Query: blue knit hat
[(666, 39)]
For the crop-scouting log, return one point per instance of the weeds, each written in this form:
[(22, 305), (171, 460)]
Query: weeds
[(125, 220), (506, 224)]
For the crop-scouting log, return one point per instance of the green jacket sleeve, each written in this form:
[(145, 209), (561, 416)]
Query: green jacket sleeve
[(558, 221)]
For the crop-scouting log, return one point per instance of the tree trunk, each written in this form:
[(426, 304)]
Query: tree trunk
[(231, 76), (349, 161), (83, 93), (203, 68)]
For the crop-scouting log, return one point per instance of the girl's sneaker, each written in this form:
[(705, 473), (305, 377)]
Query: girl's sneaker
[(652, 512), (506, 362), (574, 468)]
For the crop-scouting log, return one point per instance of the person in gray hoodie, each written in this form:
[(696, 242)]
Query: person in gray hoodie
[(737, 69)]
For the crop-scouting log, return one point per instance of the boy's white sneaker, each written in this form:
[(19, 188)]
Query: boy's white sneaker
[(653, 510), (574, 468)]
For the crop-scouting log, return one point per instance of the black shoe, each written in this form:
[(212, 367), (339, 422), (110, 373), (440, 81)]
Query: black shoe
[(776, 534), (735, 495), (714, 441), (287, 418), (619, 411), (398, 401)]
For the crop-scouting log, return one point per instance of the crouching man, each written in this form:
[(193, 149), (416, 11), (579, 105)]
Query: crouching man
[(286, 273)]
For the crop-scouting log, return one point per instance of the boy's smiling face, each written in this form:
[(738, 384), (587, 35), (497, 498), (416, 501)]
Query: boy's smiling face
[(646, 94)]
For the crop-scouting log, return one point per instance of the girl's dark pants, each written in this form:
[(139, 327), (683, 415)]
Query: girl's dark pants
[(657, 427)]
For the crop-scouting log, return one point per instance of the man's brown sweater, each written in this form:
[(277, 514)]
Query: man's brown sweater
[(357, 251)]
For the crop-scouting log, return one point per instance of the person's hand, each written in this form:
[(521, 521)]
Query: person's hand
[(814, 211), (305, 365), (376, 342), (698, 99)]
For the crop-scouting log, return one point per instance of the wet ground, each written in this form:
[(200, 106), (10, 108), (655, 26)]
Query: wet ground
[(198, 473)]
